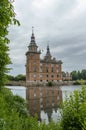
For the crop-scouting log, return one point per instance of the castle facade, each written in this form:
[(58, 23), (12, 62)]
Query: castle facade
[(41, 70)]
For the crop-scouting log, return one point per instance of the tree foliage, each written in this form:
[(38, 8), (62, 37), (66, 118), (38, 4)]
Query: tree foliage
[(79, 75), (74, 111), (20, 77), (16, 78), (13, 113), (7, 17)]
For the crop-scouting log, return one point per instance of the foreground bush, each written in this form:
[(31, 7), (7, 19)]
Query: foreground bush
[(13, 113), (74, 111)]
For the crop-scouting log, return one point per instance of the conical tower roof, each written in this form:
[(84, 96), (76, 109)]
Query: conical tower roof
[(48, 54), (32, 42), (48, 51)]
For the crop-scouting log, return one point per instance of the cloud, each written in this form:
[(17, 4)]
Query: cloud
[(62, 23)]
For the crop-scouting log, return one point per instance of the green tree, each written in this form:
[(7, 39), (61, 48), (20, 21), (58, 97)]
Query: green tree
[(10, 77), (83, 74), (79, 75), (20, 77), (74, 111), (74, 75), (14, 114), (7, 17)]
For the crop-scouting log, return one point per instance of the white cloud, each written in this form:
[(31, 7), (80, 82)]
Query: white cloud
[(62, 23)]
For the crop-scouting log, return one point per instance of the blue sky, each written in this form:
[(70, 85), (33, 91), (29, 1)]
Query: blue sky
[(62, 23)]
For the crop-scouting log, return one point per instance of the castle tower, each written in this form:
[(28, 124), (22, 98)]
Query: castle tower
[(48, 55), (32, 61)]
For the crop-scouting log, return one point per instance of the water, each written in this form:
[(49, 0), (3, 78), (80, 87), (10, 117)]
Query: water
[(18, 90), (67, 90), (44, 101)]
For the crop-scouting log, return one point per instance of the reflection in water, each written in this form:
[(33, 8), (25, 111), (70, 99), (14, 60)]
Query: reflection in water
[(44, 102), (47, 99)]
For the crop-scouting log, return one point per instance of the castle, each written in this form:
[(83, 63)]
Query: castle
[(41, 70)]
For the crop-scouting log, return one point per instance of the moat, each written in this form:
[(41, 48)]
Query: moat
[(44, 101)]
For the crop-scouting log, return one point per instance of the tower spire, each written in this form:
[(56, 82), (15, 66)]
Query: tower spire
[(48, 51), (32, 37), (48, 55), (32, 30)]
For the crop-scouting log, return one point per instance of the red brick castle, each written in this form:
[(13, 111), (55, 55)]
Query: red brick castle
[(41, 70)]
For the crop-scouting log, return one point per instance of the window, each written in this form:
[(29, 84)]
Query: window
[(52, 65), (46, 69), (34, 75), (40, 80), (40, 64), (52, 76), (40, 69), (34, 94), (57, 70), (52, 69), (40, 75), (57, 66), (34, 68), (41, 106), (40, 93), (46, 75), (47, 80), (57, 75)]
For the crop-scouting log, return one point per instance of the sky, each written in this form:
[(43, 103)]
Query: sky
[(59, 23)]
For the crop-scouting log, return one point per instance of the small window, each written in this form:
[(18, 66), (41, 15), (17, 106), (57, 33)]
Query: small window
[(46, 75), (34, 68), (52, 65), (40, 93), (46, 69), (40, 64), (40, 69), (52, 76), (57, 75), (34, 62), (34, 75), (57, 70), (52, 69), (40, 75), (40, 80), (57, 66), (34, 94), (47, 80)]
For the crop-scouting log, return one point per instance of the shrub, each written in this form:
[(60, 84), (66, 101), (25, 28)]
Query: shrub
[(74, 111), (77, 83), (50, 84)]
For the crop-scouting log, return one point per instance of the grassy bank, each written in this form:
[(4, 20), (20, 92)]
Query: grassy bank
[(79, 82)]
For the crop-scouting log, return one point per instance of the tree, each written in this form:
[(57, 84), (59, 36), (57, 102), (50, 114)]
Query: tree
[(7, 17), (83, 74), (74, 111), (14, 114), (74, 75), (20, 77), (10, 77)]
